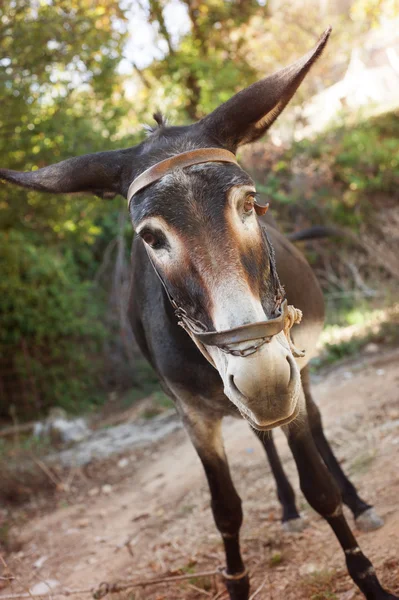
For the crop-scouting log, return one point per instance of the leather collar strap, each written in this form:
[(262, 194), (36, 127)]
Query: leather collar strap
[(185, 159)]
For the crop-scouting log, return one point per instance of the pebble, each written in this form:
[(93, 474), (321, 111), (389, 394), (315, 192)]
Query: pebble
[(371, 348), (40, 562), (123, 463), (347, 595), (308, 569), (93, 492), (82, 523), (380, 371), (106, 488), (44, 587)]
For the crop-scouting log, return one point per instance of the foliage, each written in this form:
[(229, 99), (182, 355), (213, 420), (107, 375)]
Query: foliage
[(61, 95), (68, 88), (49, 321), (223, 51), (341, 176), (369, 12), (378, 327)]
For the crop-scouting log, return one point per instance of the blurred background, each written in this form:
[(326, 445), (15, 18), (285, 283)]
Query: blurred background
[(79, 76)]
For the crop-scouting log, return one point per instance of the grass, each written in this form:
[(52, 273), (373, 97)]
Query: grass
[(202, 583), (4, 529), (319, 585), (362, 462), (185, 510), (276, 559), (379, 327), (11, 448)]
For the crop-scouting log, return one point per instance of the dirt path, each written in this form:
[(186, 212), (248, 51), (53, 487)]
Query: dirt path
[(160, 504)]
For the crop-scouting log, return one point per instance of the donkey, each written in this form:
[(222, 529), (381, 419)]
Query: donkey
[(208, 309)]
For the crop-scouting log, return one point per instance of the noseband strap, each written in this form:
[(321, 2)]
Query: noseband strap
[(245, 333), (185, 159)]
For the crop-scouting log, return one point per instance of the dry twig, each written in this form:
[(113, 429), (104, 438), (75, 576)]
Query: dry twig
[(259, 589), (114, 588)]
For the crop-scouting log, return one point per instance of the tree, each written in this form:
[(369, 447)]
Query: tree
[(61, 95)]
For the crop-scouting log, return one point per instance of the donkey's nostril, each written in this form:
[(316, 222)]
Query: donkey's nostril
[(295, 378), (235, 388)]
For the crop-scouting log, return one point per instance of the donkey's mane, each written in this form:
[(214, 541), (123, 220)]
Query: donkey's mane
[(161, 122)]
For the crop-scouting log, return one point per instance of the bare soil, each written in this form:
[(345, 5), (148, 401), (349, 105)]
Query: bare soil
[(155, 517)]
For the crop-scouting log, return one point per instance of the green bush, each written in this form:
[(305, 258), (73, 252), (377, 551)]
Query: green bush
[(342, 176), (51, 330)]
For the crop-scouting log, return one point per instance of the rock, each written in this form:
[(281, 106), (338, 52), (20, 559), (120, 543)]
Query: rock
[(93, 492), (82, 523), (60, 429), (308, 569), (63, 431), (123, 463), (16, 539), (103, 443), (106, 489), (380, 372), (371, 348), (40, 562), (44, 587), (347, 595)]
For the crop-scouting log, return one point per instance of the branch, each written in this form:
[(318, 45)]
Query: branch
[(115, 588)]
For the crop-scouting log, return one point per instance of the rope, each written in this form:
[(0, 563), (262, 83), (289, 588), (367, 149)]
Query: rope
[(294, 317), (105, 588)]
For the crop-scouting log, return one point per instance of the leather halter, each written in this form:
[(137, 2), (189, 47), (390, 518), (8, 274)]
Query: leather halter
[(182, 160), (260, 332)]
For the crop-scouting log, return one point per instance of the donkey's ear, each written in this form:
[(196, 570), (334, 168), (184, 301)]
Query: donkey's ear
[(247, 115), (100, 174)]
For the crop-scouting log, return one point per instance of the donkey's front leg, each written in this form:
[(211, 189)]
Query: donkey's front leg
[(323, 495), (366, 518), (206, 436), (291, 519)]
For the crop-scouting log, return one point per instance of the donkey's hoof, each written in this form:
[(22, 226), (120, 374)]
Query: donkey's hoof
[(238, 588), (369, 520), (294, 525)]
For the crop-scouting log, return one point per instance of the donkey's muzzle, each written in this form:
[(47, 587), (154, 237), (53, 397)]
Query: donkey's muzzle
[(266, 394)]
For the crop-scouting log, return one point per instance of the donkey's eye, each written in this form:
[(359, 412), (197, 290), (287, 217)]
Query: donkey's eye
[(152, 239), (249, 204)]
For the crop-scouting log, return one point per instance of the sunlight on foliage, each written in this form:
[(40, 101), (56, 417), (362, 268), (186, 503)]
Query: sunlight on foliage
[(69, 86)]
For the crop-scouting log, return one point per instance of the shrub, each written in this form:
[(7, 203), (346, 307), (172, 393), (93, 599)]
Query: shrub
[(50, 330)]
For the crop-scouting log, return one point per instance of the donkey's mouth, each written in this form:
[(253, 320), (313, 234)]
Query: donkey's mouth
[(274, 424), (241, 402)]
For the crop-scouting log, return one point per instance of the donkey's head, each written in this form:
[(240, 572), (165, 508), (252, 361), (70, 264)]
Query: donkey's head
[(200, 229)]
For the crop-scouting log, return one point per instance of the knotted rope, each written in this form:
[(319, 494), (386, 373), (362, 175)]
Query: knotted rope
[(293, 317)]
